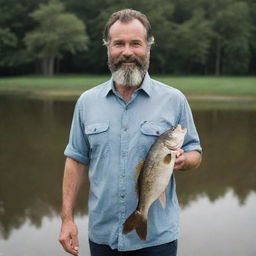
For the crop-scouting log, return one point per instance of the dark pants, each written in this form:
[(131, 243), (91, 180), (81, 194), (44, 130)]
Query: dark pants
[(169, 249)]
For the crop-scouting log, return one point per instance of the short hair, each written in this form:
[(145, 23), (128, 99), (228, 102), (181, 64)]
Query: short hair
[(125, 16)]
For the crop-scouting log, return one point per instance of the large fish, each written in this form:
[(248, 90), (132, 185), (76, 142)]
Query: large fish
[(155, 174)]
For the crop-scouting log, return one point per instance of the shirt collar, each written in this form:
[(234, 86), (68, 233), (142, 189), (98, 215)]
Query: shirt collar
[(145, 86)]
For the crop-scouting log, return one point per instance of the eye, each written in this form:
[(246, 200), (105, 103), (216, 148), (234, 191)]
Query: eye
[(118, 43), (135, 43)]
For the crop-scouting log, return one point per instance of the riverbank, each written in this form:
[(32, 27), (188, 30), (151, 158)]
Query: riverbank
[(200, 91)]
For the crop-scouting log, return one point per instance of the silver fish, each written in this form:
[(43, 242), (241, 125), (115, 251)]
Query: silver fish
[(154, 177)]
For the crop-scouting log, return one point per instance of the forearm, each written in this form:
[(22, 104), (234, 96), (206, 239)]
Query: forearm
[(187, 160), (72, 180)]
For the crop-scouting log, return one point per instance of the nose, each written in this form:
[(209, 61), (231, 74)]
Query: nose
[(127, 51)]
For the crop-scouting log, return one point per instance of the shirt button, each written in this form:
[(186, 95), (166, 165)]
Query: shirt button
[(122, 196), (157, 132), (125, 129)]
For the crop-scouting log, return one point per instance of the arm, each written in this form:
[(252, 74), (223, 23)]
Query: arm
[(187, 160), (73, 176)]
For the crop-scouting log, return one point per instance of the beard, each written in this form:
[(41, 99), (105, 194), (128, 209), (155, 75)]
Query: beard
[(128, 75)]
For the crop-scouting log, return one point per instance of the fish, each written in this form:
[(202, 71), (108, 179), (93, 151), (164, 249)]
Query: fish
[(154, 174)]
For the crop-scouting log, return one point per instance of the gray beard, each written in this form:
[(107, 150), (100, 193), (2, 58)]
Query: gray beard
[(130, 76)]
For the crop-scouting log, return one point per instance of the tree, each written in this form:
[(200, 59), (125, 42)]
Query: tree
[(57, 32), (8, 42), (231, 26), (193, 38), (13, 55)]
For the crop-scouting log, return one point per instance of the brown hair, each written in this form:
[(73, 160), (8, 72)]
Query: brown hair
[(125, 16)]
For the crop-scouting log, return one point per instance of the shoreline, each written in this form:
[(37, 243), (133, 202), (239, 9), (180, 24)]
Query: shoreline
[(197, 101)]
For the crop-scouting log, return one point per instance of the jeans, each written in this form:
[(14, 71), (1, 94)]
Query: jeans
[(169, 249)]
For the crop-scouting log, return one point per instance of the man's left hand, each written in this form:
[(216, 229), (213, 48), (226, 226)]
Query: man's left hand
[(180, 160), (187, 160)]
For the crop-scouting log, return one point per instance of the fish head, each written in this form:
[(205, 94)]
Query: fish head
[(175, 137)]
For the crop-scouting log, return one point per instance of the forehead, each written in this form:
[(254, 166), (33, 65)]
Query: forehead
[(133, 30)]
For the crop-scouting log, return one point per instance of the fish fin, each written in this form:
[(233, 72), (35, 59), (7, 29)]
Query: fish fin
[(162, 199), (138, 222), (138, 170), (167, 158)]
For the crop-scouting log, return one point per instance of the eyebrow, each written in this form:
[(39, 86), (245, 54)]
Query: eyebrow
[(133, 41)]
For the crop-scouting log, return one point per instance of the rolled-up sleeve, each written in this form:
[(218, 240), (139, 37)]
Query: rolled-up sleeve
[(78, 146), (191, 141)]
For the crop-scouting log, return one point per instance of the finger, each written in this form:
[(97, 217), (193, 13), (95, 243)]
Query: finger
[(75, 243), (177, 167), (180, 152), (68, 247), (178, 160)]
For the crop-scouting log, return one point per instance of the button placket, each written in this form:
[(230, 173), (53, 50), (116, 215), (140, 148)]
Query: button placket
[(122, 176)]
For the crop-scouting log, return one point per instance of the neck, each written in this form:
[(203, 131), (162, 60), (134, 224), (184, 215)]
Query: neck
[(126, 91)]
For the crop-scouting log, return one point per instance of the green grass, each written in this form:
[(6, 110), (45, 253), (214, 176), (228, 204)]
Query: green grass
[(61, 82), (235, 86), (75, 84)]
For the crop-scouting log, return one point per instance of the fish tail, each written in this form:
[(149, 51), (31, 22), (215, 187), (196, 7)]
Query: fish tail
[(136, 221)]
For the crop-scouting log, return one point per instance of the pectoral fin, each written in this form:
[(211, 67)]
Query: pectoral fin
[(138, 170), (167, 158), (162, 199)]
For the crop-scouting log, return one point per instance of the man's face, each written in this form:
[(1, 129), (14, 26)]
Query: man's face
[(128, 52)]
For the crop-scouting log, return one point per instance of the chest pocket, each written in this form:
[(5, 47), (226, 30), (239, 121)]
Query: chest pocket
[(98, 137), (150, 131)]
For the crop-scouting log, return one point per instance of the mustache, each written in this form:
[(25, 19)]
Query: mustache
[(125, 59)]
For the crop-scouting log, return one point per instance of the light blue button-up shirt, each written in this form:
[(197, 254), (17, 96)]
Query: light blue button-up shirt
[(112, 137)]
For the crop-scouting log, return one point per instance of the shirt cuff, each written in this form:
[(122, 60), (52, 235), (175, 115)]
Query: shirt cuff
[(69, 152), (192, 147)]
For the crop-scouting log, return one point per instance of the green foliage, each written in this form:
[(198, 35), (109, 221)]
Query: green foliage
[(232, 27), (8, 42), (57, 31), (193, 40), (200, 36)]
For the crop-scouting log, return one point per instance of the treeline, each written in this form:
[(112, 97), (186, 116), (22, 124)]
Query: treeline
[(192, 37)]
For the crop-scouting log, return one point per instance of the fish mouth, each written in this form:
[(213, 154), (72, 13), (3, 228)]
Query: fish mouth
[(179, 128)]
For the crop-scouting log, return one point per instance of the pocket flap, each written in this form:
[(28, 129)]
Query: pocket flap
[(149, 128), (96, 128)]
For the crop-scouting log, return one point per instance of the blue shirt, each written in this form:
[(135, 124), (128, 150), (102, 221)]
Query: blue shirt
[(112, 137)]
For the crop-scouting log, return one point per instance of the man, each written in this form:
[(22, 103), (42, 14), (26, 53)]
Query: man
[(113, 127)]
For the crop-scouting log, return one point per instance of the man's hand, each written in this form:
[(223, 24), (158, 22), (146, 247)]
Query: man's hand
[(69, 237), (187, 160), (180, 160)]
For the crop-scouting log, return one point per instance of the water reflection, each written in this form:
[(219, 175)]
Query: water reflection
[(220, 228), (228, 157), (34, 134)]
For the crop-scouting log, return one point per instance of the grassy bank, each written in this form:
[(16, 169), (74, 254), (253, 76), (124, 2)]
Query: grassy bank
[(70, 86)]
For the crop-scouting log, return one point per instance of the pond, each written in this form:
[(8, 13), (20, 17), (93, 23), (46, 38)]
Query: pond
[(218, 200)]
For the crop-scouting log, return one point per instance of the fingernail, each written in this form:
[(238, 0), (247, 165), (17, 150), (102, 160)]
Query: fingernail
[(76, 248)]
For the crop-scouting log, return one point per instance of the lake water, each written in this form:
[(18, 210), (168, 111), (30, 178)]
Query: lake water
[(218, 200)]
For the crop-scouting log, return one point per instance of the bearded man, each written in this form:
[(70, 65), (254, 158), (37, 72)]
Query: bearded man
[(113, 128)]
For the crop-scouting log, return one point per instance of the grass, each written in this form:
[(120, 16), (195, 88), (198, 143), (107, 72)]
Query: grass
[(236, 86), (72, 85)]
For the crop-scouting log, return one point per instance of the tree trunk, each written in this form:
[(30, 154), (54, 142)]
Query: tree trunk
[(57, 69), (44, 67), (51, 66), (47, 66), (218, 57)]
